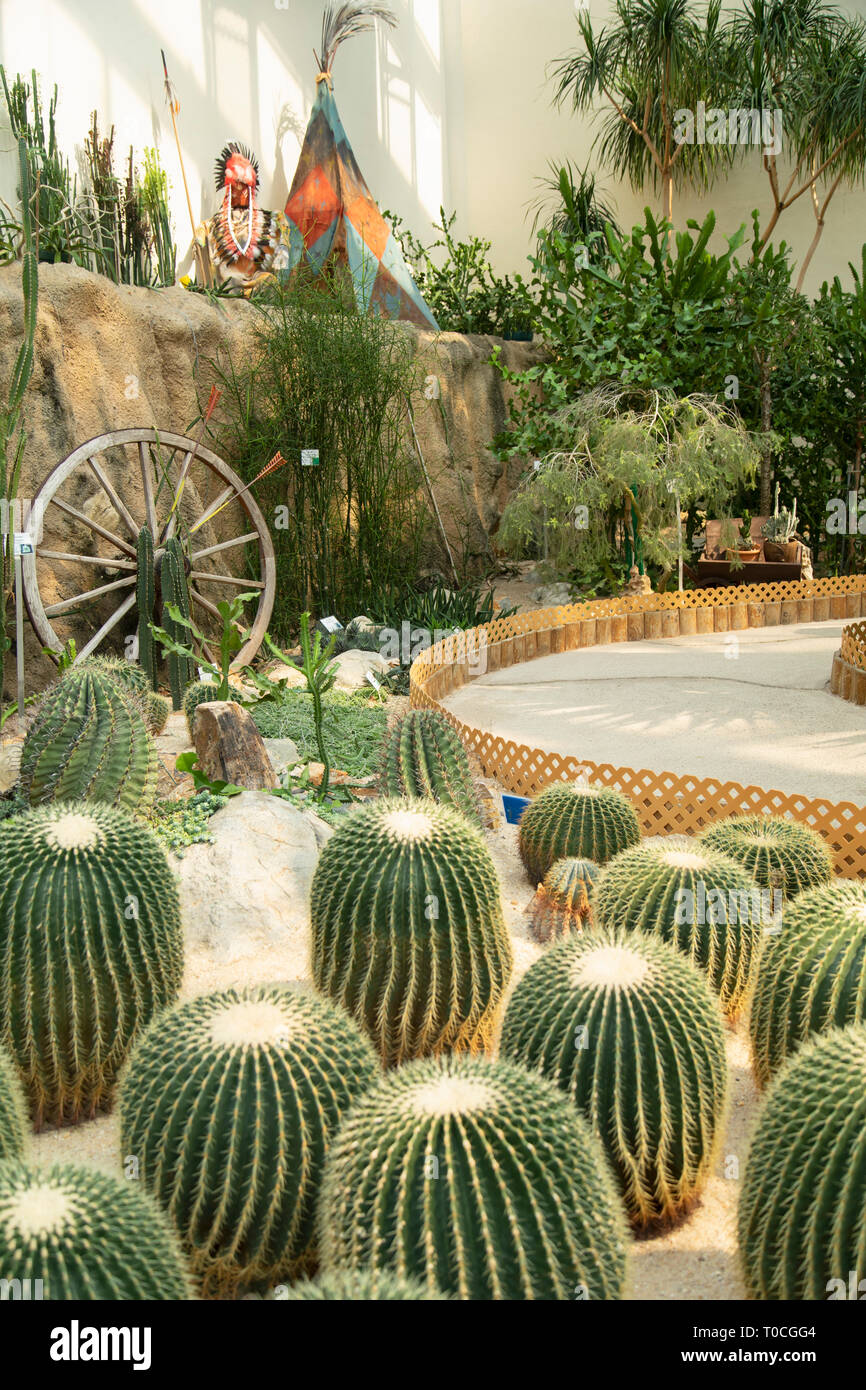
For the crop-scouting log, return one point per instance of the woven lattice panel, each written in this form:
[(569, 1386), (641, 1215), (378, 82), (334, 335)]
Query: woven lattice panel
[(854, 645)]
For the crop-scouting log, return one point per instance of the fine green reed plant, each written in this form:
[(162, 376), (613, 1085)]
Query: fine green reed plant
[(323, 377)]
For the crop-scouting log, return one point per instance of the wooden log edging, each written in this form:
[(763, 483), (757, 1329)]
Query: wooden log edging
[(667, 803)]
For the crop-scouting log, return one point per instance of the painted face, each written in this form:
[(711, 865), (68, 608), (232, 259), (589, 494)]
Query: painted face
[(241, 180)]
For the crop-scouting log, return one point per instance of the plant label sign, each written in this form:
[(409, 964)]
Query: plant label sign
[(206, 677), (331, 624), (309, 458), (22, 544), (377, 685)]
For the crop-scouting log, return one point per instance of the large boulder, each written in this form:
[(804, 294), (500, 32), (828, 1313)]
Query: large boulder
[(353, 667), (230, 747), (250, 888)]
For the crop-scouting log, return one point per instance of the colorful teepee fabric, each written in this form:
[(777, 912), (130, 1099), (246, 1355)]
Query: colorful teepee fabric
[(332, 217)]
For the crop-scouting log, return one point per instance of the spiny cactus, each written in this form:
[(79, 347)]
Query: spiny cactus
[(86, 1235), (13, 1111), (172, 575), (91, 947), (575, 820), (89, 743), (134, 680), (477, 1178), (631, 1032), (803, 1195), (422, 756), (811, 976), (145, 596), (408, 932), (701, 901), (362, 1286), (156, 711), (778, 853), (563, 902), (228, 1105), (197, 693)]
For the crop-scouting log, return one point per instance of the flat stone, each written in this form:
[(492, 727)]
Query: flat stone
[(230, 747), (352, 668), (283, 753)]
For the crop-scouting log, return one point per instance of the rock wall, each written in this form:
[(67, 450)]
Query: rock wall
[(112, 357)]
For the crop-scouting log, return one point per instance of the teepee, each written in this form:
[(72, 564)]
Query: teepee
[(332, 215)]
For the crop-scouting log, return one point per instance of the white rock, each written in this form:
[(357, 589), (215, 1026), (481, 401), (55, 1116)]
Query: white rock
[(10, 764), (552, 595), (353, 667), (283, 753), (251, 887)]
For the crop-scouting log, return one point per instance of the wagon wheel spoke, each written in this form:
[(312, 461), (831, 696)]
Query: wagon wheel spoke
[(212, 510), (105, 483), (93, 526), (106, 628), (144, 461), (53, 609), (224, 545), (106, 561), (171, 525), (231, 579)]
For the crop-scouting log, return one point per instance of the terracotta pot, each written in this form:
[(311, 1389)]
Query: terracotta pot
[(746, 556)]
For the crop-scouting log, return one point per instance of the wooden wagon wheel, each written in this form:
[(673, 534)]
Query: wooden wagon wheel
[(202, 501)]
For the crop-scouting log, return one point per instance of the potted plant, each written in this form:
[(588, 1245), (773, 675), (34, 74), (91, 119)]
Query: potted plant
[(739, 545), (778, 532)]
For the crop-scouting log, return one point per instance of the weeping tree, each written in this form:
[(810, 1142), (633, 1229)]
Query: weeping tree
[(622, 467)]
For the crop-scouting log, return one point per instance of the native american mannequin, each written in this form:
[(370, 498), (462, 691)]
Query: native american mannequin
[(243, 242)]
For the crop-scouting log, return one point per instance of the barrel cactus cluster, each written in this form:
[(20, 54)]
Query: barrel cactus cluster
[(563, 902), (92, 948), (781, 855), (423, 757), (478, 1179), (408, 931), (70, 1232), (89, 742), (812, 975), (700, 900), (575, 820), (154, 708), (630, 1031), (227, 1108)]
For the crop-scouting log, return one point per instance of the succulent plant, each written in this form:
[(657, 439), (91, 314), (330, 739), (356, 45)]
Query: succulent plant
[(153, 707), (778, 853), (802, 1199), (89, 743), (422, 756), (172, 577), (13, 1111), (632, 1033), (156, 711), (197, 693), (574, 820), (91, 948), (145, 597), (78, 1233), (477, 1178), (362, 1286), (408, 932), (700, 900), (811, 976), (228, 1105), (563, 902)]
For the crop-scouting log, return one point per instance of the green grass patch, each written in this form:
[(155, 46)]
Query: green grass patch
[(353, 728)]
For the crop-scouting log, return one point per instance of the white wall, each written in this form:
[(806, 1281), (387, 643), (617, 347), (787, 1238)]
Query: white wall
[(453, 107)]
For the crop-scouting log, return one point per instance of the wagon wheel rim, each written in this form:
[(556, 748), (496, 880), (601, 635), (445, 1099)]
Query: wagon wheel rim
[(234, 491)]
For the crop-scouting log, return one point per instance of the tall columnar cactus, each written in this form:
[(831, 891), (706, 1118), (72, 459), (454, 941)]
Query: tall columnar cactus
[(703, 902), (362, 1286), (632, 1033), (89, 743), (145, 597), (91, 947), (78, 1233), (811, 976), (780, 854), (173, 583), (422, 756), (573, 820), (228, 1105), (563, 902), (408, 932), (13, 1111), (803, 1195), (477, 1178)]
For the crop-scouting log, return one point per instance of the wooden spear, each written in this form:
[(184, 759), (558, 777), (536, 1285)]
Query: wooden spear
[(202, 268)]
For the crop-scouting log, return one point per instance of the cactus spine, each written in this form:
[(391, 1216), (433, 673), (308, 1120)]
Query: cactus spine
[(563, 903), (780, 854), (362, 1286), (524, 1206), (574, 820), (145, 596), (803, 1196), (812, 976), (701, 901), (422, 756), (91, 948), (89, 743), (408, 932), (13, 1111), (631, 1032), (134, 680), (229, 1103), (174, 591), (86, 1235)]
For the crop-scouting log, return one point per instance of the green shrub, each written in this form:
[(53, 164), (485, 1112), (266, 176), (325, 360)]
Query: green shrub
[(93, 948), (229, 1103), (408, 932), (812, 976), (477, 1178), (13, 1111), (422, 756), (631, 1032), (780, 854), (803, 1195), (86, 1235), (563, 903), (573, 820)]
